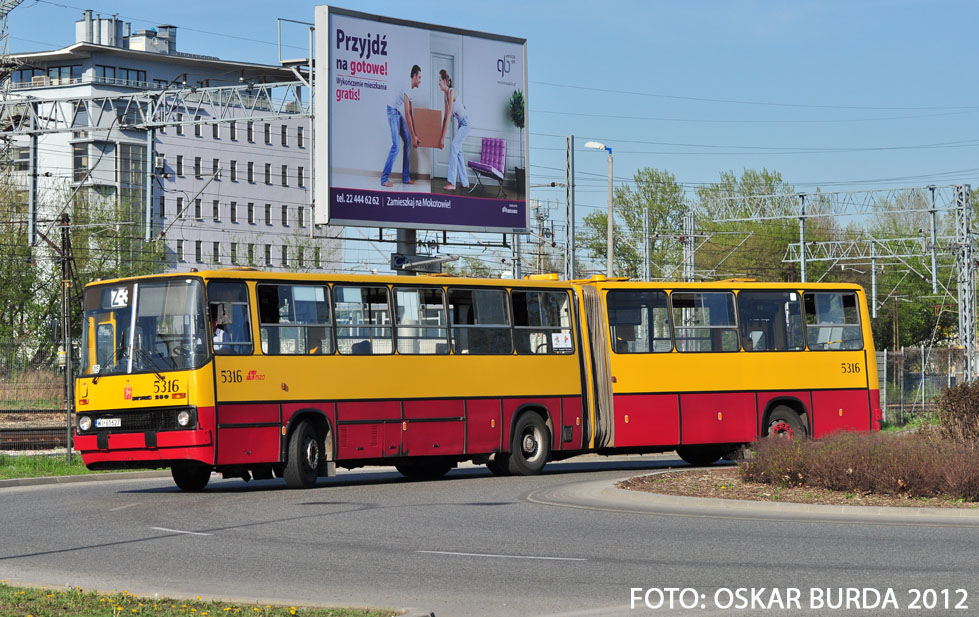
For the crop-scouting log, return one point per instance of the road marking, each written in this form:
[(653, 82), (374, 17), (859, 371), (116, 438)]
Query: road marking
[(502, 556), (191, 533), (123, 507)]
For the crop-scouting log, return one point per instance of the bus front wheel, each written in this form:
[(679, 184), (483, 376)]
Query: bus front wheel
[(530, 446), (190, 476), (302, 466), (785, 423)]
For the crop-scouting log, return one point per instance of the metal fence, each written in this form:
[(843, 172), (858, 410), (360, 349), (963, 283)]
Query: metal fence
[(33, 410), (913, 378)]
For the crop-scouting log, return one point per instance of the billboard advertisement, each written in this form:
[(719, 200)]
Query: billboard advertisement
[(414, 127)]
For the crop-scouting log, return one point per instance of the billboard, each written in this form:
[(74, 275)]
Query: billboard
[(413, 125)]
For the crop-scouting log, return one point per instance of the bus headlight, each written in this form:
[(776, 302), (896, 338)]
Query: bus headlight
[(84, 424), (183, 418)]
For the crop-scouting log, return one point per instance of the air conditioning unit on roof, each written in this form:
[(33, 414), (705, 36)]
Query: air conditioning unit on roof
[(40, 80)]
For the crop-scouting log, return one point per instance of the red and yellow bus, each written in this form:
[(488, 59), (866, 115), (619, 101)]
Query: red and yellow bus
[(261, 375)]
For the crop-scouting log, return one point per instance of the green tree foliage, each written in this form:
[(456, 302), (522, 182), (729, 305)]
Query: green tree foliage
[(755, 248), (23, 292), (469, 267), (658, 191)]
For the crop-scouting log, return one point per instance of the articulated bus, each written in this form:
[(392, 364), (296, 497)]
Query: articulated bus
[(260, 375)]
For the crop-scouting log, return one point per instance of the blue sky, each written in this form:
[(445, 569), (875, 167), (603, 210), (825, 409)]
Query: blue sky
[(843, 95)]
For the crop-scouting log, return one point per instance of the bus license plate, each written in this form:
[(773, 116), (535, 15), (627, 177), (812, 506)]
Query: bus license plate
[(108, 422)]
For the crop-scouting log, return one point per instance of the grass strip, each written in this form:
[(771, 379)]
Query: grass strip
[(75, 602), (40, 465)]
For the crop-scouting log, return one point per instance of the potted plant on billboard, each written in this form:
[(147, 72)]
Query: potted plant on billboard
[(517, 109)]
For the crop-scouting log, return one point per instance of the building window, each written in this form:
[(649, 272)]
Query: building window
[(300, 216), (163, 206), (301, 256), (215, 131), (300, 177), (268, 173), (217, 252), (180, 250), (268, 134), (234, 171), (197, 167), (198, 209), (268, 254), (285, 255), (198, 251), (233, 130), (180, 208), (216, 168), (234, 253), (250, 131), (316, 257), (80, 161), (300, 137), (251, 172), (285, 135), (251, 212), (105, 74), (132, 77), (285, 216), (268, 214), (233, 211), (198, 127), (285, 175), (180, 165), (216, 209), (251, 254), (180, 124)]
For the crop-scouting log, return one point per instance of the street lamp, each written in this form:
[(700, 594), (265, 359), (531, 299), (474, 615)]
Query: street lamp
[(609, 252)]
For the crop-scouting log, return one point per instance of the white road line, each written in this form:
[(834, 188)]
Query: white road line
[(191, 533), (503, 556), (129, 505)]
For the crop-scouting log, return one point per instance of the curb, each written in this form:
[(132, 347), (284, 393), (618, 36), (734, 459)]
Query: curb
[(605, 495), (95, 477)]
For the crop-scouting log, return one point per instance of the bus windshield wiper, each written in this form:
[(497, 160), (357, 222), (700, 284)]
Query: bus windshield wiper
[(146, 357)]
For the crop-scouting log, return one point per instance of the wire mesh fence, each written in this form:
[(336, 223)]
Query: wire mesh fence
[(913, 378), (33, 410)]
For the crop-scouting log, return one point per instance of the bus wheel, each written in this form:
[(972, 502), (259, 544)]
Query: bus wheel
[(499, 464), (530, 447), (424, 469), (191, 476), (304, 457), (700, 456), (785, 423)]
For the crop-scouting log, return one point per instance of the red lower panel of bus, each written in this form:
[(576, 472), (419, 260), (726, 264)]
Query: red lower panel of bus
[(484, 428), (131, 447), (434, 438), (646, 420), (569, 436), (840, 410), (248, 445), (718, 417), (876, 413)]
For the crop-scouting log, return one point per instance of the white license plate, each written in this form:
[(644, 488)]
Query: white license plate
[(108, 422)]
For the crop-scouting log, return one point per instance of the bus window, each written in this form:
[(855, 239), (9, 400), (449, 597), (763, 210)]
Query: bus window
[(705, 321), (363, 320), (294, 319), (422, 326), (639, 322), (228, 311), (770, 321), (832, 321), (541, 322), (480, 323)]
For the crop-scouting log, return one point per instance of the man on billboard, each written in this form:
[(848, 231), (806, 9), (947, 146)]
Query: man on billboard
[(399, 119)]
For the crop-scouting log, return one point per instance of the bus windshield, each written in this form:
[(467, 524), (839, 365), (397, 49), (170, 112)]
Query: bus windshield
[(166, 332)]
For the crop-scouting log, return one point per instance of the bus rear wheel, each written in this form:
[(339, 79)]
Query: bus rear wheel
[(424, 469), (302, 466), (191, 476), (530, 446), (700, 456), (785, 423)]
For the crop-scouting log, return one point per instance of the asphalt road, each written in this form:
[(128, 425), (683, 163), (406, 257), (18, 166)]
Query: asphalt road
[(471, 544)]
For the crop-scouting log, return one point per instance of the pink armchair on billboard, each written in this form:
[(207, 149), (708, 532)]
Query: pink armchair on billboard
[(491, 163)]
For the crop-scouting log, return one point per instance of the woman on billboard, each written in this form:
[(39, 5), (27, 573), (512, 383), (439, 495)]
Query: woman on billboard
[(454, 108)]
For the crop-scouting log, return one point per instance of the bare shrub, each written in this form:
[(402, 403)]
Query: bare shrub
[(913, 465), (958, 412)]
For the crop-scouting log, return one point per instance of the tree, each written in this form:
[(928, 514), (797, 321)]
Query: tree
[(470, 267), (656, 191)]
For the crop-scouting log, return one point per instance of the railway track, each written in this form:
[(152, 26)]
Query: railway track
[(32, 438)]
